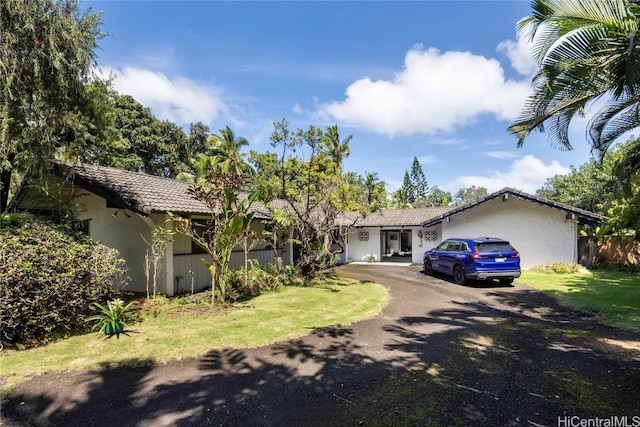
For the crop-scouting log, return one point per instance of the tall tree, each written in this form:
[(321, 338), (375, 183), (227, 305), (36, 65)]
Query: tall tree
[(313, 188), (408, 189), (438, 197), (46, 59), (139, 141), (336, 150), (227, 148), (587, 50), (589, 186), (469, 195), (420, 184), (375, 192)]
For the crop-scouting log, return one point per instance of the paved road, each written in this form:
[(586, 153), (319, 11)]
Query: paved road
[(438, 354)]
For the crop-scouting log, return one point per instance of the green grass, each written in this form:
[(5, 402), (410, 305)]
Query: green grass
[(172, 332), (612, 296)]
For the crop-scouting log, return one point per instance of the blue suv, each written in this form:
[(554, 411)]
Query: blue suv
[(482, 258)]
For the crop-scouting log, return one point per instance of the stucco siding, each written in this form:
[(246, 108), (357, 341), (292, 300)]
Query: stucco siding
[(541, 234), (119, 229), (363, 242), (358, 249)]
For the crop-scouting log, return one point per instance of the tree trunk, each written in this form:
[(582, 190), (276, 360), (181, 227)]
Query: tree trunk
[(5, 183)]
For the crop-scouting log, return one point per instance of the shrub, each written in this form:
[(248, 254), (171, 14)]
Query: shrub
[(50, 276), (557, 268)]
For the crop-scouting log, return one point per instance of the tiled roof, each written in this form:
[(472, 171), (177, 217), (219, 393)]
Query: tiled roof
[(401, 217), (581, 215), (139, 192)]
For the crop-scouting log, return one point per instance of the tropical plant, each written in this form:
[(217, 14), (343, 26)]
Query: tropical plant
[(50, 276), (112, 318), (226, 148), (47, 50), (587, 51), (230, 218)]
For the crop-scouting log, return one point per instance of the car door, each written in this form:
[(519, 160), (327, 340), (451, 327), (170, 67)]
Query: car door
[(450, 255), (437, 256)]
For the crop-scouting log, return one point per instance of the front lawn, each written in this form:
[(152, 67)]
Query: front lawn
[(170, 331), (612, 296)]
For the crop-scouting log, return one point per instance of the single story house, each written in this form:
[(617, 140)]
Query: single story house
[(391, 235), (543, 231), (121, 209)]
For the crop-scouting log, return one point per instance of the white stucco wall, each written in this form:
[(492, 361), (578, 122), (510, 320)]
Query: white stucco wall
[(119, 229), (357, 250), (541, 234)]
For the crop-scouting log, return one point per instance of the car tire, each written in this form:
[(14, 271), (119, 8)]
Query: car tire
[(427, 267), (458, 275), (506, 281)]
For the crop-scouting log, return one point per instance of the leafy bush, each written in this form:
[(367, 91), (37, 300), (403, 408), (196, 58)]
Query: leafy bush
[(557, 268), (260, 278), (50, 276)]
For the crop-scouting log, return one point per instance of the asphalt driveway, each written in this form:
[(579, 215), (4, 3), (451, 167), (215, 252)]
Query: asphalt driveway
[(438, 354)]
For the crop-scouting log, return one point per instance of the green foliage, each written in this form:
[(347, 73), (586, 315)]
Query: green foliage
[(256, 280), (112, 318), (469, 195), (588, 187), (587, 50), (313, 186), (47, 59), (419, 180), (230, 220), (49, 278), (557, 268)]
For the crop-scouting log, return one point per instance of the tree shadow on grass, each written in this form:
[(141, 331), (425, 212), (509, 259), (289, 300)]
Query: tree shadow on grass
[(506, 360)]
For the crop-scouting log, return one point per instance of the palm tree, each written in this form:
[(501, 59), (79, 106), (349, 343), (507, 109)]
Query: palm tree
[(374, 188), (226, 147), (201, 165), (336, 150), (587, 50)]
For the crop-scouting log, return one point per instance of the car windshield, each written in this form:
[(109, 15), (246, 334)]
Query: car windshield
[(495, 247)]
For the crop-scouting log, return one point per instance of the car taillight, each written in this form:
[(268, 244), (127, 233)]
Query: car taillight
[(517, 255), (476, 255)]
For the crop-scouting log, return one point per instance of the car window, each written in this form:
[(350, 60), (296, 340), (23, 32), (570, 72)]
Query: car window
[(495, 247), (443, 246), (464, 247), (454, 247)]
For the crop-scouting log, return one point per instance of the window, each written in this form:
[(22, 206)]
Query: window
[(200, 228), (454, 247)]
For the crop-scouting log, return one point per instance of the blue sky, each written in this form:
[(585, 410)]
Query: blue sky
[(438, 80)]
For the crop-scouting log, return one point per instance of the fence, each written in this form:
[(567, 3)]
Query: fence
[(608, 250)]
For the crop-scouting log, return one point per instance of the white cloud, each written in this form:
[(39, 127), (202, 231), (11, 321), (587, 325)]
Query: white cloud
[(526, 174), (435, 92), (502, 154), (520, 55), (297, 109), (177, 99), (425, 160)]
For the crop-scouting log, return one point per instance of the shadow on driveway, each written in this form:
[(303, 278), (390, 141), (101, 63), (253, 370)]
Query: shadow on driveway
[(437, 355)]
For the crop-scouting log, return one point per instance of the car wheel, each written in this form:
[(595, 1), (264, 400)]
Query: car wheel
[(458, 275), (427, 267), (506, 281)]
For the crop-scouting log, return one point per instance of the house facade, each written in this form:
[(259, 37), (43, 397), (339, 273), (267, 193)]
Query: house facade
[(121, 209), (392, 235), (542, 230)]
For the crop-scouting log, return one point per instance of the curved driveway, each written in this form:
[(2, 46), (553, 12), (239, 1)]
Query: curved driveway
[(438, 354)]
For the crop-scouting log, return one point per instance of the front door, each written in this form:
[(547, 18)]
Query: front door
[(396, 245)]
